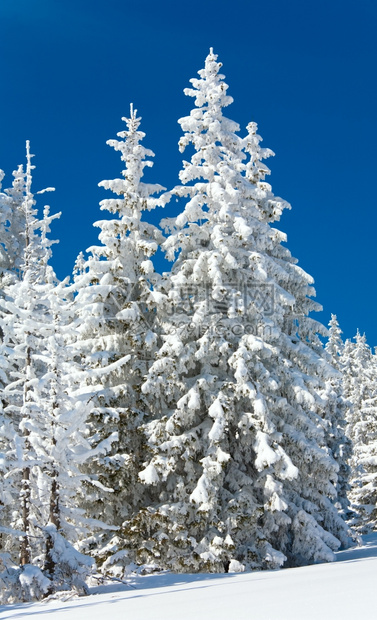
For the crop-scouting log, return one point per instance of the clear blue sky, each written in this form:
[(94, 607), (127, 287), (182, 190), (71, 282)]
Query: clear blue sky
[(304, 71)]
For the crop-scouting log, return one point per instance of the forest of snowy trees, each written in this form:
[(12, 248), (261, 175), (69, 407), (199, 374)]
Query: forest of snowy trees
[(195, 421)]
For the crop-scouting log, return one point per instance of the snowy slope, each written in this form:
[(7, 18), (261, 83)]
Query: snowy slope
[(343, 590)]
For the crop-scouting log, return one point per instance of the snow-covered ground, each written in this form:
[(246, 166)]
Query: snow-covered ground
[(342, 590)]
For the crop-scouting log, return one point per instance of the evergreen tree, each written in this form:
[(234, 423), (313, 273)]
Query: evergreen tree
[(14, 207), (12, 223), (11, 249), (240, 474), (334, 345), (356, 363), (43, 426), (115, 310), (337, 408), (360, 385)]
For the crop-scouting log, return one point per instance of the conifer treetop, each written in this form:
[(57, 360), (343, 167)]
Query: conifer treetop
[(135, 156), (334, 346), (211, 133)]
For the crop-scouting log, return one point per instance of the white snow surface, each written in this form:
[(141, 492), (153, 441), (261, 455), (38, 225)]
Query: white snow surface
[(342, 590)]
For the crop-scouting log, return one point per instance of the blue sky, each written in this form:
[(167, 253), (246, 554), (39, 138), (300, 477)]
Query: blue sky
[(304, 71)]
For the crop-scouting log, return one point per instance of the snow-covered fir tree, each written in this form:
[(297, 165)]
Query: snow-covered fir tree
[(336, 416), (6, 432), (12, 245), (240, 474), (360, 387), (334, 345), (356, 363), (12, 223), (43, 427), (115, 311)]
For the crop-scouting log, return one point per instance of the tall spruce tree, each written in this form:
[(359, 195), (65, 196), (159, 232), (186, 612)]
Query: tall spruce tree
[(12, 223), (17, 207), (360, 386), (240, 474), (7, 432), (115, 310), (43, 427), (337, 411)]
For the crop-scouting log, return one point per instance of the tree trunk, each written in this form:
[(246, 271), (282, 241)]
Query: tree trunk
[(25, 495), (25, 505), (54, 519)]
